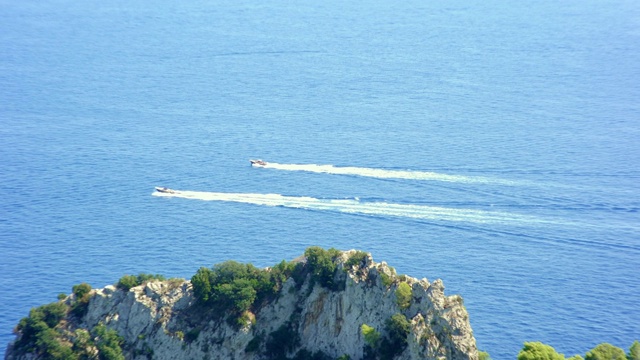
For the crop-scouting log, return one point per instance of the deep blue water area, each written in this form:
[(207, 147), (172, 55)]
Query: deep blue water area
[(494, 146)]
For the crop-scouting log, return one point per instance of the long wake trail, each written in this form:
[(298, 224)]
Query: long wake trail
[(386, 174), (355, 206)]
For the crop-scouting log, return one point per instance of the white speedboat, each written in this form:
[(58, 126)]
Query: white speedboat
[(258, 162), (165, 190)]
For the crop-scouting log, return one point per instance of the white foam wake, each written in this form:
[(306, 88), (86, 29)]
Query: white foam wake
[(359, 207), (386, 174)]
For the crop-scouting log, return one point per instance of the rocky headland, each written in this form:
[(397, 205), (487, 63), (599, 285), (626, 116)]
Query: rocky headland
[(325, 305)]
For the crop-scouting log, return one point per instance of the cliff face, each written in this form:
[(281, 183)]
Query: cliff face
[(163, 320)]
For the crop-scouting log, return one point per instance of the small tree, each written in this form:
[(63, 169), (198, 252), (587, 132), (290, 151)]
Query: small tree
[(538, 351), (202, 284), (81, 290), (606, 351), (356, 259), (371, 336), (108, 343), (395, 341), (127, 282), (322, 264), (404, 295)]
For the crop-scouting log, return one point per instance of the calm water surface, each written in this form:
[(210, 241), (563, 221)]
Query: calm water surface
[(495, 147)]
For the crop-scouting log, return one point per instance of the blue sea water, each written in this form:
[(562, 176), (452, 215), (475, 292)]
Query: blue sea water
[(493, 145)]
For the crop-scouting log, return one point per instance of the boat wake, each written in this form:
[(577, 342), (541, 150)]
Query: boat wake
[(386, 174), (356, 206)]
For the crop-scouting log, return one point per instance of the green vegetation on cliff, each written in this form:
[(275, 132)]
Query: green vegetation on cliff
[(42, 333), (128, 281), (391, 342), (604, 351), (235, 288)]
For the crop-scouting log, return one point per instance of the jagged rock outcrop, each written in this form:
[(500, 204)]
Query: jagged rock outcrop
[(163, 320)]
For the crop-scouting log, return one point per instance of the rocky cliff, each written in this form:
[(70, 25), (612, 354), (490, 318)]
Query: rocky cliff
[(369, 312)]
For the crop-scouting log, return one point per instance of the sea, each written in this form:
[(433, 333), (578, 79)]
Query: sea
[(494, 145)]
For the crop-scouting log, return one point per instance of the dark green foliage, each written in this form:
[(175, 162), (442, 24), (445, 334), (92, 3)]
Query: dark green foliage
[(281, 272), (38, 334), (192, 335), (254, 344), (395, 341), (538, 351), (282, 341), (50, 345), (605, 351), (322, 266), (82, 293), (108, 343), (202, 284), (52, 313), (305, 354), (357, 259), (235, 288), (128, 281), (81, 290), (236, 296), (298, 274)]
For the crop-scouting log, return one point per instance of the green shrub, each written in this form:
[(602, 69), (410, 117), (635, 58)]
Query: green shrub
[(371, 336), (482, 355), (605, 351), (192, 335), (53, 313), (254, 344), (404, 295), (357, 259), (129, 281), (82, 294), (538, 351), (201, 283), (282, 341), (233, 288), (395, 341), (81, 290), (38, 334), (386, 279), (108, 343), (305, 354)]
